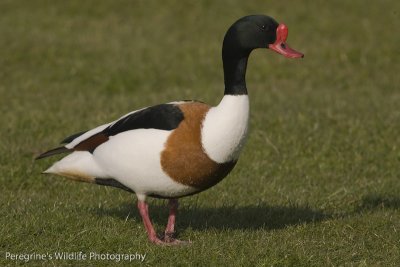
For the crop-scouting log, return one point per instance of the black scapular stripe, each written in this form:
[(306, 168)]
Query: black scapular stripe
[(72, 137), (162, 117)]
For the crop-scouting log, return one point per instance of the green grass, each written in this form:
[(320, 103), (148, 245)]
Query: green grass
[(318, 183)]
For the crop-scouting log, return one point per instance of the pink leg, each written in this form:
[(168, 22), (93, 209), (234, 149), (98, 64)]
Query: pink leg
[(170, 230), (144, 212), (151, 233)]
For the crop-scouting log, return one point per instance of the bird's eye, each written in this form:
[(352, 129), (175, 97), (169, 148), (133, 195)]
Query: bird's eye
[(263, 27)]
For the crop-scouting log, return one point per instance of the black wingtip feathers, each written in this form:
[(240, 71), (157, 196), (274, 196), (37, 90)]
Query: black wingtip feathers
[(55, 151)]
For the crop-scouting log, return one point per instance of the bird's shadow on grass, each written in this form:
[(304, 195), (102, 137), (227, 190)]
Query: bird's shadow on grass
[(259, 216), (378, 202)]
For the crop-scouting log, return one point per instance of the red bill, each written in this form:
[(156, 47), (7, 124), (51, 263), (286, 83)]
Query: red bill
[(280, 46)]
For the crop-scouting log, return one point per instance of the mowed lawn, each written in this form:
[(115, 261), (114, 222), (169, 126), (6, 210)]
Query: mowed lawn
[(318, 183)]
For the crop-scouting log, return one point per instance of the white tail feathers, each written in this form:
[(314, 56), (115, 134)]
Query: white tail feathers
[(79, 166)]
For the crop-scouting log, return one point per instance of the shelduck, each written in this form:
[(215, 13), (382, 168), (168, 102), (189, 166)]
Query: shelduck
[(180, 148)]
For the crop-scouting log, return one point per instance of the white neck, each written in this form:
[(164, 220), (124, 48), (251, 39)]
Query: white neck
[(225, 128)]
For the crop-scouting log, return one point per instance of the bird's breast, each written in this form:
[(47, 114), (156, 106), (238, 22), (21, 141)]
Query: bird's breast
[(184, 158)]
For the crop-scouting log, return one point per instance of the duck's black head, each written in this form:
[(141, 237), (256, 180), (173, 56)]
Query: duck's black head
[(257, 31), (245, 35)]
